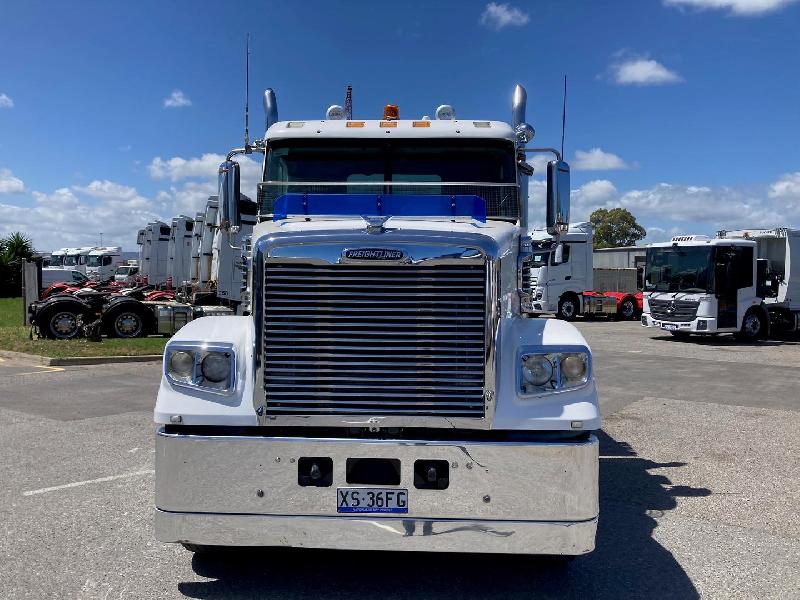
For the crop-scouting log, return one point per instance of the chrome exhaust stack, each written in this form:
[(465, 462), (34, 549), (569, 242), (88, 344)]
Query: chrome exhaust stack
[(270, 108)]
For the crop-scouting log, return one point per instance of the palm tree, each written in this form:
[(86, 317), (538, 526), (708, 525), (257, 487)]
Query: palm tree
[(13, 248)]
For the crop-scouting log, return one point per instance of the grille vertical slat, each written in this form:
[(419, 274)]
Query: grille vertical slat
[(358, 339)]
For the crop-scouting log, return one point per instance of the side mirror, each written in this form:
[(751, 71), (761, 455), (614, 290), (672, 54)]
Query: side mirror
[(558, 255), (229, 183), (557, 197)]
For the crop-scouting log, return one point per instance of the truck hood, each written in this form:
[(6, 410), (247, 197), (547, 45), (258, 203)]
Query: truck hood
[(495, 237)]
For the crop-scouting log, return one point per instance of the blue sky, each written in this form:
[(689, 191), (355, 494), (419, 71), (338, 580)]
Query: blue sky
[(685, 111)]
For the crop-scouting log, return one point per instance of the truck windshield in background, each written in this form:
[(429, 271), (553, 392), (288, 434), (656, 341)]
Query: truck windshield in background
[(679, 269), (400, 166), (57, 261), (70, 261)]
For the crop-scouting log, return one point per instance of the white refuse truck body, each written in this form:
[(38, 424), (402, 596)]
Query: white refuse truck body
[(382, 387), (742, 282)]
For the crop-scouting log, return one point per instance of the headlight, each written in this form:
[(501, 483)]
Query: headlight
[(209, 367), (552, 371), (181, 365), (216, 366), (574, 367), (536, 369)]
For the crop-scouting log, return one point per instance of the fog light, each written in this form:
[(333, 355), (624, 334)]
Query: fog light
[(181, 364), (216, 366), (539, 295), (702, 325)]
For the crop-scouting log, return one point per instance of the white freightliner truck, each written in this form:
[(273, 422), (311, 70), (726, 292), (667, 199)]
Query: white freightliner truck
[(384, 388), (742, 282), (559, 279)]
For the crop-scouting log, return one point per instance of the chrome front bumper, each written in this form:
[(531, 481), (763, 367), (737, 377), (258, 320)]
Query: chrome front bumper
[(503, 497)]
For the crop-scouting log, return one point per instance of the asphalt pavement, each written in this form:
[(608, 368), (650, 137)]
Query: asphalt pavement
[(700, 485)]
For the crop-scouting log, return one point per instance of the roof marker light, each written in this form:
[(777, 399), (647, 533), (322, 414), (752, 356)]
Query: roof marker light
[(293, 124), (482, 123), (388, 123), (355, 124), (335, 113), (420, 123), (391, 112), (445, 113)]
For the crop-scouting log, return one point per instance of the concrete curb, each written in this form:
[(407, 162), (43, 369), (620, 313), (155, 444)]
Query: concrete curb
[(79, 360)]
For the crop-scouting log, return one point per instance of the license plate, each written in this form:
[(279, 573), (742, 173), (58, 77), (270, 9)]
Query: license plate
[(669, 327), (371, 500)]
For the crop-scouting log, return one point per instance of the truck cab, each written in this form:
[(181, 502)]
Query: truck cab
[(741, 282), (698, 285), (102, 262), (383, 387), (76, 258)]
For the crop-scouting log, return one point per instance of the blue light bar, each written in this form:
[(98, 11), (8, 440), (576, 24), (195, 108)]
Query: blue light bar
[(422, 205)]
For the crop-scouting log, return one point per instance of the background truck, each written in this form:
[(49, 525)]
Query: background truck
[(742, 282), (383, 387), (155, 306), (560, 279), (102, 263)]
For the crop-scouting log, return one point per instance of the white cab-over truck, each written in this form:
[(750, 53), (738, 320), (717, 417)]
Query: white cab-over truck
[(102, 263), (745, 282), (560, 278), (384, 388)]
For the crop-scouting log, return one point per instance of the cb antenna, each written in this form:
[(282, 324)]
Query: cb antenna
[(563, 117), (247, 95)]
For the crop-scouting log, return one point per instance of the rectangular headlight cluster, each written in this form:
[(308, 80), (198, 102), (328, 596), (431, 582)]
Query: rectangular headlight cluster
[(540, 373), (209, 367)]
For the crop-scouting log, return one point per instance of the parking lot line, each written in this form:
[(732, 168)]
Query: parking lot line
[(46, 370), (87, 482)]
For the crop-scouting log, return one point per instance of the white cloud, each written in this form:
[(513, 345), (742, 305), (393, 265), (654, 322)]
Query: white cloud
[(9, 184), (6, 102), (497, 16), (743, 8), (177, 167), (642, 70), (669, 209), (177, 99), (597, 159), (788, 186)]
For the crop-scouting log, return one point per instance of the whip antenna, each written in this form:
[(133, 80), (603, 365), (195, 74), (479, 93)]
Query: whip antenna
[(564, 117), (348, 103), (247, 94)]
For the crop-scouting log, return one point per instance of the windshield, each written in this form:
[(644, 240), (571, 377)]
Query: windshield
[(123, 270), (71, 260), (679, 269), (94, 261), (56, 261), (401, 162)]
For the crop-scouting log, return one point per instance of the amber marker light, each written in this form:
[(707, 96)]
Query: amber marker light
[(391, 112)]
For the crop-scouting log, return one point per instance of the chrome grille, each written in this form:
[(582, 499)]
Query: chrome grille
[(374, 339), (673, 310)]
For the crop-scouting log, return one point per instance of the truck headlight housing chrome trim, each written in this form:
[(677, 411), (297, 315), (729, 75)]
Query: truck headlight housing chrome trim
[(543, 371), (201, 366)]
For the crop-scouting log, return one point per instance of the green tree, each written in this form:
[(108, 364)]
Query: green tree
[(13, 248), (615, 227)]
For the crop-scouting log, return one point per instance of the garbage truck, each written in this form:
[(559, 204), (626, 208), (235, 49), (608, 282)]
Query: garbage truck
[(742, 282), (383, 387)]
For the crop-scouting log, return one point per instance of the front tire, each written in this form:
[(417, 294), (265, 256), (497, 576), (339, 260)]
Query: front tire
[(125, 321), (753, 327), (567, 307), (627, 309)]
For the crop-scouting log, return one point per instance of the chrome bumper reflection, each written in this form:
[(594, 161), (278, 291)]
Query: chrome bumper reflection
[(454, 535)]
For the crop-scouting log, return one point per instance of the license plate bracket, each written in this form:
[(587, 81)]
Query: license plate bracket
[(372, 500)]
